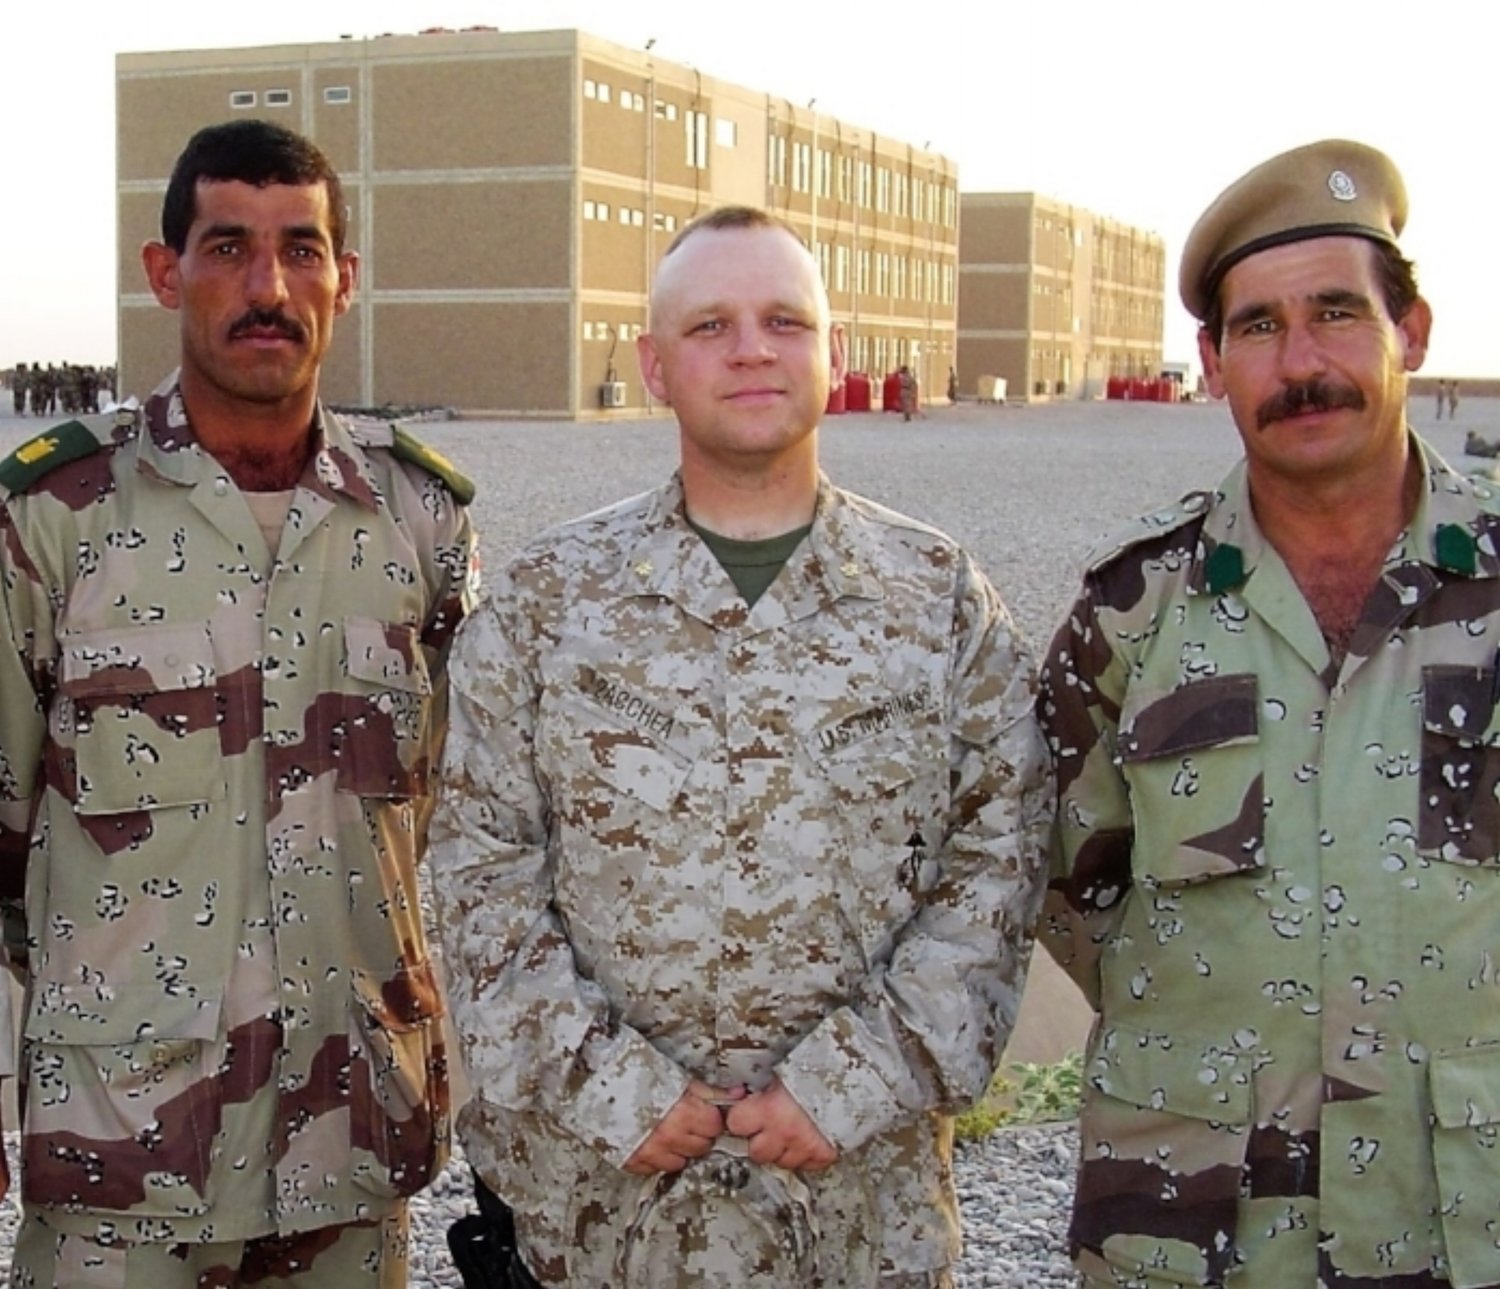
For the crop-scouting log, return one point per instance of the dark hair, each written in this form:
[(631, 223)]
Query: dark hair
[(723, 218), (1394, 274), (252, 152)]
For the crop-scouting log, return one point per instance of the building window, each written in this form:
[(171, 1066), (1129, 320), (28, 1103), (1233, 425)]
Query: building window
[(825, 173), (825, 264), (900, 194), (846, 177), (242, 98), (726, 133), (862, 272), (840, 268), (862, 194), (667, 111), (696, 133), (337, 94), (882, 189), (590, 90), (598, 210), (629, 216), (278, 98), (776, 156), (899, 286), (632, 102), (801, 167), (664, 223)]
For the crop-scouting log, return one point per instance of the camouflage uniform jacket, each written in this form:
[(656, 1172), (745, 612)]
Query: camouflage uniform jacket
[(680, 837), (214, 790), (1278, 880)]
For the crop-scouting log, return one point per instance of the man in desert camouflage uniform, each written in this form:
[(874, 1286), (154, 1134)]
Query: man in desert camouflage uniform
[(1274, 712), (740, 843), (223, 666)]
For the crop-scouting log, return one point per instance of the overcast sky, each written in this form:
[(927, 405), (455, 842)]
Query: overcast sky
[(1142, 112)]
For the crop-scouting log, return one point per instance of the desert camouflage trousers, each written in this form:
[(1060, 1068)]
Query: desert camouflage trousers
[(356, 1255)]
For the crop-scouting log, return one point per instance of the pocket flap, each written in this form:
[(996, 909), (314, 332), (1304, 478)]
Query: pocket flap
[(1156, 1071), (137, 660), (1465, 1086), (84, 1015), (1218, 712), (873, 766), (1460, 702), (388, 654)]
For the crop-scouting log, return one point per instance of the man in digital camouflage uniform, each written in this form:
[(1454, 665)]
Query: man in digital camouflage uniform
[(1273, 708), (226, 621), (740, 841)]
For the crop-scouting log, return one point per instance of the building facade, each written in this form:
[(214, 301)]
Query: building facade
[(510, 194), (1054, 299)]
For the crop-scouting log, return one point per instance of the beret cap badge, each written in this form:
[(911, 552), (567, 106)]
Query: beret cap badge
[(1342, 186)]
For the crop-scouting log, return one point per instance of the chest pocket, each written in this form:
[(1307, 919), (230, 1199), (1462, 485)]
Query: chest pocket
[(142, 708), (614, 788), (890, 797), (1459, 813), (1192, 760)]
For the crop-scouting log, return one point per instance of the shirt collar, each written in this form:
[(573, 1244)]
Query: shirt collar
[(1451, 529), (170, 450)]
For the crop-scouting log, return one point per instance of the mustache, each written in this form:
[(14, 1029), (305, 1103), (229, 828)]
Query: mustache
[(267, 320), (1307, 396)]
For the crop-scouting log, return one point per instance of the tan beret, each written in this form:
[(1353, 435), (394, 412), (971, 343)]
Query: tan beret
[(1330, 189)]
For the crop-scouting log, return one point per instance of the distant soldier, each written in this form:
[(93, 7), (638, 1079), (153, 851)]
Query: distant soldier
[(226, 621), (1442, 397), (36, 387), (18, 389), (906, 385), (1453, 400)]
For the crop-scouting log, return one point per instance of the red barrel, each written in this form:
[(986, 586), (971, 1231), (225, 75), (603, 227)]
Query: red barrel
[(836, 403), (857, 392), (1115, 387), (890, 392)]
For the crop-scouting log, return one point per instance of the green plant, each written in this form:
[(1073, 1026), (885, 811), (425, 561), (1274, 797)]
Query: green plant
[(1025, 1093)]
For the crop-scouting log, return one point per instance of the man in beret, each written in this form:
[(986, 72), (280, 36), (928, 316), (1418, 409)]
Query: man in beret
[(1275, 874)]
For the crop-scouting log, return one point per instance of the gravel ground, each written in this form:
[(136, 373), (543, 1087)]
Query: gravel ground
[(1028, 491)]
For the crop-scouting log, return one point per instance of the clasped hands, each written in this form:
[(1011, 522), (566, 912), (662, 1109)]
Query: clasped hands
[(778, 1131)]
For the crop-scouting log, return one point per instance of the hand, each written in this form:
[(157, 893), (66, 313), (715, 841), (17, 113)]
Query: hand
[(687, 1131), (780, 1132)]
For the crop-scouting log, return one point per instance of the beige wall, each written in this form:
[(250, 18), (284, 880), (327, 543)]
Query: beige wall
[(458, 114), (471, 236), (501, 357)]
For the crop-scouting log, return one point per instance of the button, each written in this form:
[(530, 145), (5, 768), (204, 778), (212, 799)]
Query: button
[(221, 486)]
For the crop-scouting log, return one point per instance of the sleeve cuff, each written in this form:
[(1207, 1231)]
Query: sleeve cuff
[(628, 1091), (829, 1076)]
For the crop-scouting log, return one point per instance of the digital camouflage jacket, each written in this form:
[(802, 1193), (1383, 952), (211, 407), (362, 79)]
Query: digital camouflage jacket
[(682, 838), (1279, 882), (213, 794)]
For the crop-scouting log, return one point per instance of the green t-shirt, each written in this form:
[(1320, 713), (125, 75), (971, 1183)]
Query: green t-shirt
[(752, 566)]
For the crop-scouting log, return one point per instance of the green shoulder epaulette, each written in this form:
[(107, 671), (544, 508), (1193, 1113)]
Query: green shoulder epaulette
[(1145, 527), (407, 447), (57, 445)]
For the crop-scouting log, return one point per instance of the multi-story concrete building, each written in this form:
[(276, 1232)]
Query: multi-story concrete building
[(1054, 299), (510, 193)]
